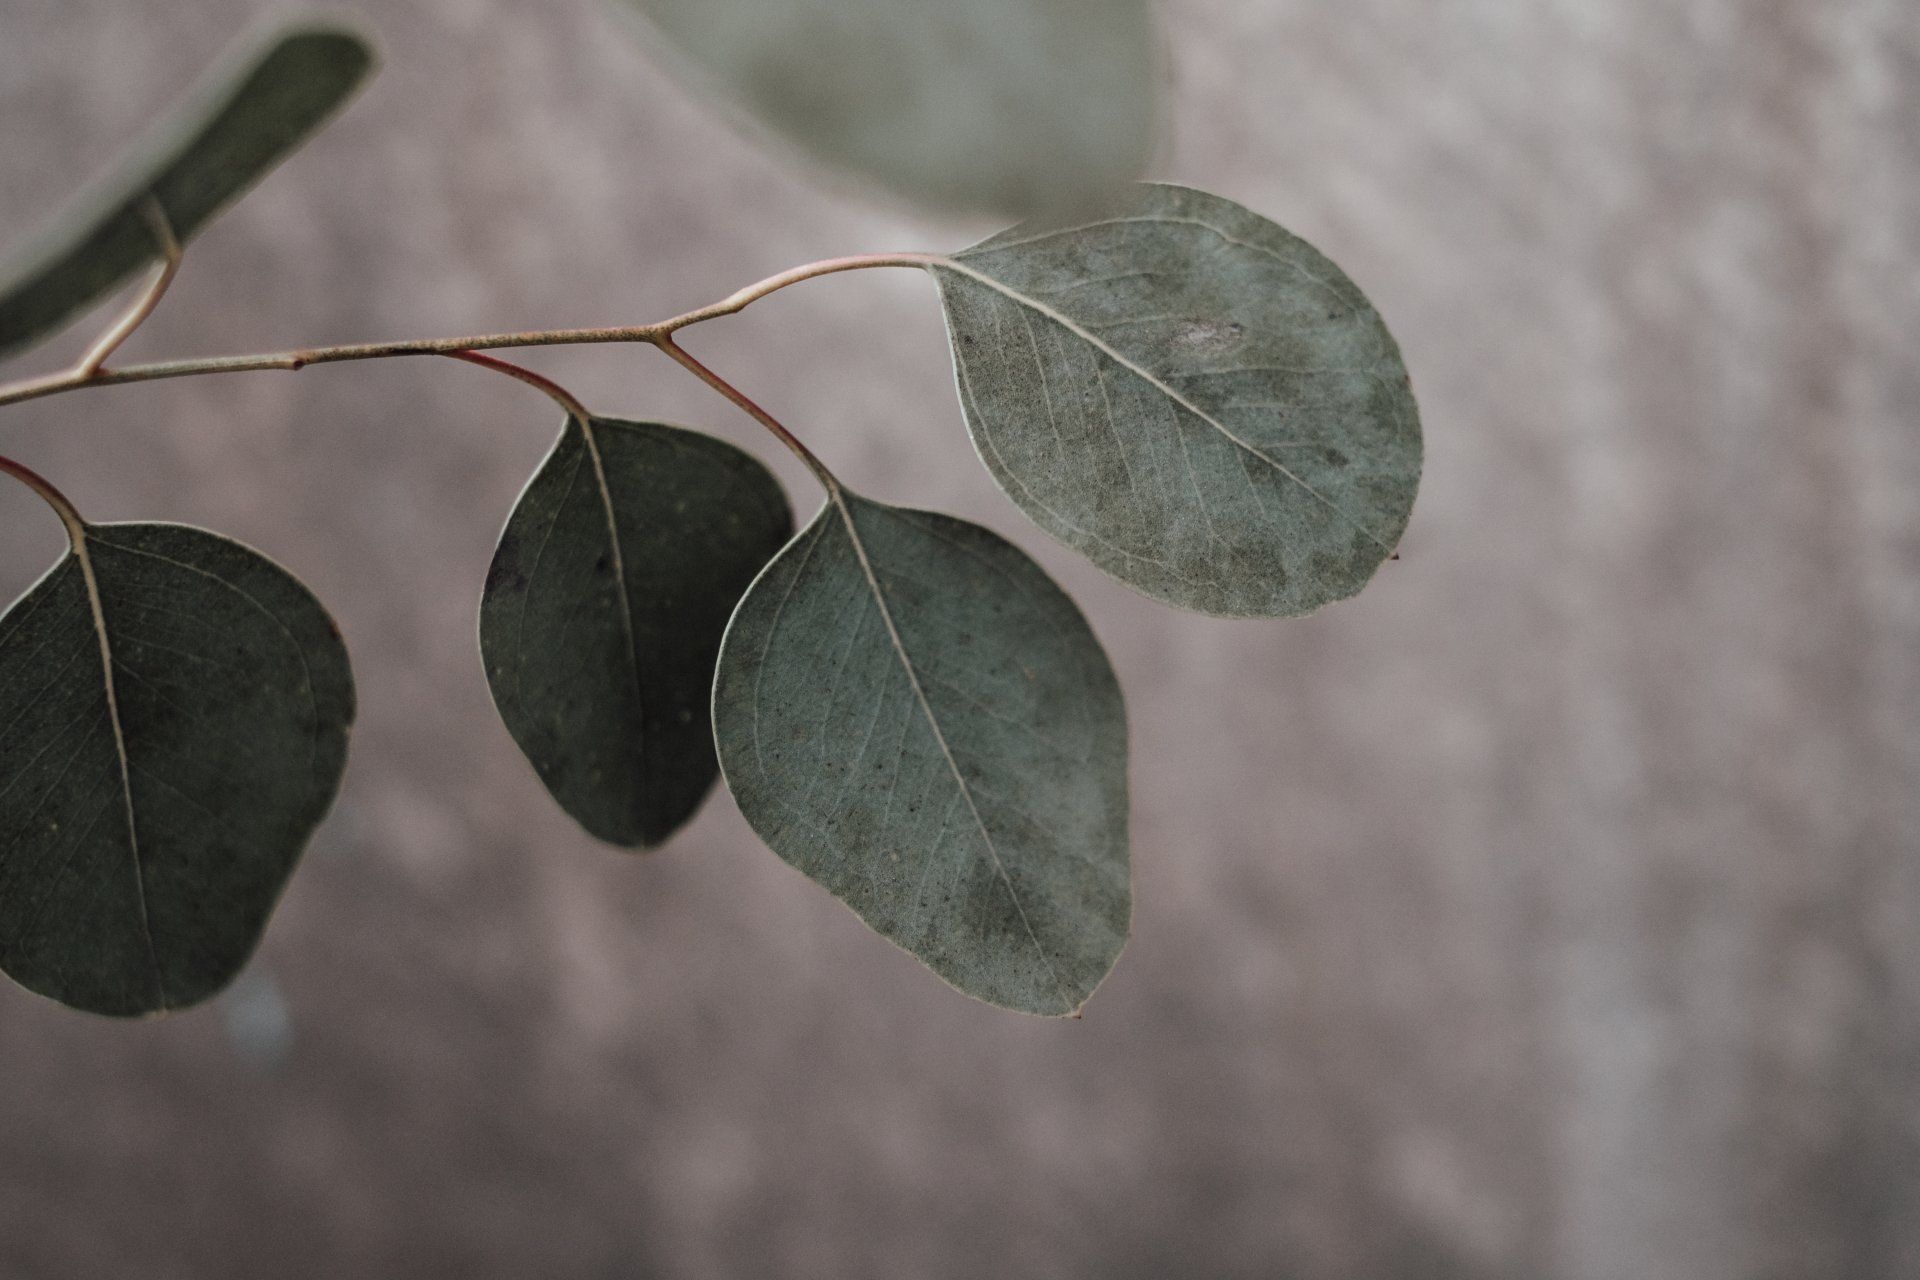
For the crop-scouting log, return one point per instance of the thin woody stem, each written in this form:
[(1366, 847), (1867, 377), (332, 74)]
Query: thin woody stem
[(559, 394), (743, 298), (76, 379), (827, 479), (95, 360)]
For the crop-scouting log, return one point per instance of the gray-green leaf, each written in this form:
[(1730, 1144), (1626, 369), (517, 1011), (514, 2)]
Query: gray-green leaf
[(173, 725), (1195, 399), (1007, 106), (604, 609), (234, 128), (912, 713)]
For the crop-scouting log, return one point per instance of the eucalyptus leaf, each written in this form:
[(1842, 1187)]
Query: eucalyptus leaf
[(173, 725), (234, 128), (1007, 106), (1195, 399), (909, 711), (603, 613)]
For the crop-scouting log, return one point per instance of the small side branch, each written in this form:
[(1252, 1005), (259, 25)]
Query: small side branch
[(95, 361)]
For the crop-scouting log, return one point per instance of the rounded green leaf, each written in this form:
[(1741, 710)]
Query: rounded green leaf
[(604, 609), (1004, 106), (1193, 398), (173, 725), (909, 711), (240, 123)]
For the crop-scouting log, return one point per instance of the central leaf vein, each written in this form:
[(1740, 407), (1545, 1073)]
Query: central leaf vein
[(1153, 380), (299, 650), (619, 568), (85, 557), (940, 738)]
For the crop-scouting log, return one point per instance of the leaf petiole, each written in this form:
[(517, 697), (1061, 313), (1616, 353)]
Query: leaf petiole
[(48, 493), (827, 479), (557, 393)]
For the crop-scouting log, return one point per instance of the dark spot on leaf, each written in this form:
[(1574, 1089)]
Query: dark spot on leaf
[(504, 574)]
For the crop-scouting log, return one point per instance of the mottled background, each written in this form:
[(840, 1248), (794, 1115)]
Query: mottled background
[(1551, 910)]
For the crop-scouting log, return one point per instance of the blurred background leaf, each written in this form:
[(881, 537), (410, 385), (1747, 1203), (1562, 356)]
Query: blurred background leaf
[(234, 127), (1001, 106)]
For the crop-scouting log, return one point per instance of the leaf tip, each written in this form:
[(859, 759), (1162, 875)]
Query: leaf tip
[(341, 42)]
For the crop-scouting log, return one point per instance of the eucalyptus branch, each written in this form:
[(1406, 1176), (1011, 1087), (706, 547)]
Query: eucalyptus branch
[(81, 376), (904, 705)]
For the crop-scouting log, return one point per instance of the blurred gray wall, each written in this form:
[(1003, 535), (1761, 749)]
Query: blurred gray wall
[(1552, 910)]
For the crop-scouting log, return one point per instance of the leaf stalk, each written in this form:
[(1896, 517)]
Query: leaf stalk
[(51, 495), (557, 393), (828, 481)]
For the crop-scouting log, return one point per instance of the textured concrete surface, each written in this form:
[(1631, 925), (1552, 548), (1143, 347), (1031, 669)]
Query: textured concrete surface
[(1549, 911)]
